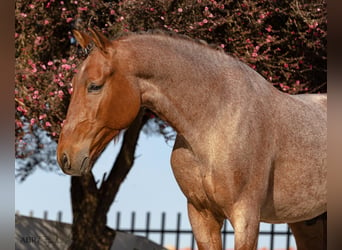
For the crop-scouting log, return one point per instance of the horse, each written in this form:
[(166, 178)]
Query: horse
[(244, 151)]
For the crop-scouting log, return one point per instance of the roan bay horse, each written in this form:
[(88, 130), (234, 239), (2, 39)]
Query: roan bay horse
[(244, 150)]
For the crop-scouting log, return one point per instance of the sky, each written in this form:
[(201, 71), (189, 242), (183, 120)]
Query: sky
[(149, 187)]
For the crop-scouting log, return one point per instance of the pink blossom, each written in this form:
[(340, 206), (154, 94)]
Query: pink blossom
[(50, 63), (23, 15), (61, 2), (19, 124), (286, 65), (205, 20), (151, 9), (180, 10), (31, 6), (60, 94), (269, 28), (21, 109), (47, 124), (222, 45), (66, 66), (83, 8), (69, 19), (254, 54), (60, 83), (42, 116), (112, 12), (70, 90), (32, 121), (269, 39), (39, 40)]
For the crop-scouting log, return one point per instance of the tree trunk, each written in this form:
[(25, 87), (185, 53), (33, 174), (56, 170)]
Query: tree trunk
[(90, 204)]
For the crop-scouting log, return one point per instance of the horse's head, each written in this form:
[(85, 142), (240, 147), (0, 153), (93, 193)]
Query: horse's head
[(104, 101)]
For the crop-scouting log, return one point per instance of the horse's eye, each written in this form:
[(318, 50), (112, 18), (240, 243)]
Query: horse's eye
[(94, 87)]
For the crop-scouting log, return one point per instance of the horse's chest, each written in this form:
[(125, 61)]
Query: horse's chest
[(201, 185)]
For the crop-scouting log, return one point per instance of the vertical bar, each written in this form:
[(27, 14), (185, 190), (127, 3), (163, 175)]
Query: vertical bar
[(148, 217), (272, 237), (224, 233), (132, 222), (192, 242), (162, 231), (288, 235), (59, 216), (178, 230), (118, 216), (31, 213), (45, 215)]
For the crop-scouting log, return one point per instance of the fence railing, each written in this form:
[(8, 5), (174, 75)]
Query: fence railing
[(179, 235), (178, 232)]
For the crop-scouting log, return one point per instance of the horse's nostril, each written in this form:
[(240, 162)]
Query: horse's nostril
[(65, 161)]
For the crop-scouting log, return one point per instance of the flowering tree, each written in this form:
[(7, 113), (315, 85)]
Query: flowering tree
[(283, 41)]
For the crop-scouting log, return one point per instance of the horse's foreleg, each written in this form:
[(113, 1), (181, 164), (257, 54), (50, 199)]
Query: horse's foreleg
[(206, 228), (245, 221)]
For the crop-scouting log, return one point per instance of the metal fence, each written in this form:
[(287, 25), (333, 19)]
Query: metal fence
[(179, 236), (179, 232)]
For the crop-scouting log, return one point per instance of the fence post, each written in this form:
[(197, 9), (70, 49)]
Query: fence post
[(148, 214), (272, 237), (288, 234), (178, 230), (59, 216), (162, 229), (118, 214), (132, 222), (45, 215)]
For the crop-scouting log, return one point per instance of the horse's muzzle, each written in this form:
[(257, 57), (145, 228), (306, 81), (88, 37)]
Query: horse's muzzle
[(78, 167)]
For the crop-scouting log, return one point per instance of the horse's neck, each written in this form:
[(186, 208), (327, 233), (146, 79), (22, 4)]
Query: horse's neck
[(190, 85)]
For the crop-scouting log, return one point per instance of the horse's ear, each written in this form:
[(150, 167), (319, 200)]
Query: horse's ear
[(100, 40), (82, 38)]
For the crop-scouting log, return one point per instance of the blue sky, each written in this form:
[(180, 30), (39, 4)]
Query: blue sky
[(149, 187)]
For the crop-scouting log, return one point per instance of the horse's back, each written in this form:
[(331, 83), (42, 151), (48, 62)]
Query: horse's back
[(320, 99)]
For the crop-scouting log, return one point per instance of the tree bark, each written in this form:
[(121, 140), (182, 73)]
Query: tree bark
[(90, 204)]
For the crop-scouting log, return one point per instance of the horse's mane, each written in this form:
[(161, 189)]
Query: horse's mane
[(165, 33)]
